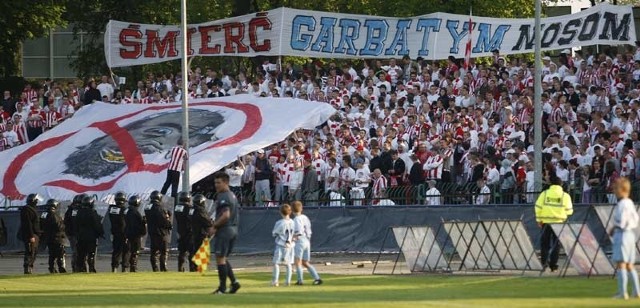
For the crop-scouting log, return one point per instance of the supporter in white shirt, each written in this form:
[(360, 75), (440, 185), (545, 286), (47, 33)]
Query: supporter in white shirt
[(11, 136), (484, 195), (433, 196), (106, 88), (493, 176)]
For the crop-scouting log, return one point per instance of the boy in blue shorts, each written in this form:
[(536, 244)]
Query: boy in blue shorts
[(283, 254), (302, 249), (625, 220)]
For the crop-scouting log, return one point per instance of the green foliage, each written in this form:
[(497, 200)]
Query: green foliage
[(21, 20)]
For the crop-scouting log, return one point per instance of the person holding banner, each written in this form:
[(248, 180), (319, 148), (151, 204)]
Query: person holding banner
[(625, 220), (552, 207)]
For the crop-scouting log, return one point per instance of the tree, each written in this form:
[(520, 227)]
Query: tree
[(21, 20)]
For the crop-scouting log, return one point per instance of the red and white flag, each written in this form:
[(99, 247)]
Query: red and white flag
[(467, 51), (105, 148)]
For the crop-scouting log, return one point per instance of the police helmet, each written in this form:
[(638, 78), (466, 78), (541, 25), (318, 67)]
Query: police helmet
[(77, 200), (155, 196), (32, 199), (53, 204), (120, 198), (184, 197), (134, 201), (199, 200), (88, 201)]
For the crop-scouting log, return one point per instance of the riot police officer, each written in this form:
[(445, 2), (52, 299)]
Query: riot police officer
[(69, 222), (30, 232), (119, 240), (53, 228), (185, 240), (159, 229), (135, 229), (88, 229), (200, 222)]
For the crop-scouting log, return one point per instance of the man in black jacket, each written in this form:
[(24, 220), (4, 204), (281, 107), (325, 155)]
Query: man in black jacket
[(185, 240), (69, 222), (53, 227), (159, 229), (135, 229), (200, 222), (30, 232), (119, 239), (89, 229)]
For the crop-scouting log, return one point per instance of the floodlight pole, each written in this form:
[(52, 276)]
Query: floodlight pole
[(537, 101), (185, 94)]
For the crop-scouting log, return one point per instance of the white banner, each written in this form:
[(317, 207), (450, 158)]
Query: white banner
[(291, 32), (106, 148)]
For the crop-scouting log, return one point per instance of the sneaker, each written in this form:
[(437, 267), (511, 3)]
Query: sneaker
[(554, 269), (621, 296), (275, 284), (299, 283), (234, 287), (218, 291), (317, 282)]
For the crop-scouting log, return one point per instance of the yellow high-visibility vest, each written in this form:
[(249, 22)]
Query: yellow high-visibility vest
[(553, 205)]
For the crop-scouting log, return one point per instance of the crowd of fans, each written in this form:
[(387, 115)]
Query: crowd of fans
[(405, 130)]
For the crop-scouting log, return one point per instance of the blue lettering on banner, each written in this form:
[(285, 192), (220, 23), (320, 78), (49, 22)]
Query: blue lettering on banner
[(452, 25), (376, 35), (400, 39), (485, 43), (426, 25), (349, 33), (302, 41), (324, 42)]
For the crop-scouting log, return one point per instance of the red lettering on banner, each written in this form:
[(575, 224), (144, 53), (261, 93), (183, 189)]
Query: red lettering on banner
[(166, 46), (205, 38), (129, 38), (190, 33), (230, 38), (263, 23)]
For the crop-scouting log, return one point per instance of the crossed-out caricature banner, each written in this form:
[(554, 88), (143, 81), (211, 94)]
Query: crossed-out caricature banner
[(106, 148)]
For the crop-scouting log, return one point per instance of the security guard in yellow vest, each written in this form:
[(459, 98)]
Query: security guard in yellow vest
[(552, 207)]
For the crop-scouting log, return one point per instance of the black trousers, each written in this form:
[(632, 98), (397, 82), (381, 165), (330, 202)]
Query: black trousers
[(33, 132), (158, 253), (185, 247), (173, 179), (30, 252), (87, 255), (73, 243), (134, 244), (119, 255), (549, 247), (56, 257)]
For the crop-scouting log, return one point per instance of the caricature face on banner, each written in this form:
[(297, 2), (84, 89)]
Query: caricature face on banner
[(105, 148)]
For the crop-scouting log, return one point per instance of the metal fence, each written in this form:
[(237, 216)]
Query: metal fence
[(450, 194)]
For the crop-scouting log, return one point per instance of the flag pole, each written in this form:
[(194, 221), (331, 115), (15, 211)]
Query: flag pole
[(185, 94), (537, 101)]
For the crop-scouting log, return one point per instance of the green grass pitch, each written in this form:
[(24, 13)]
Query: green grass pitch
[(193, 290)]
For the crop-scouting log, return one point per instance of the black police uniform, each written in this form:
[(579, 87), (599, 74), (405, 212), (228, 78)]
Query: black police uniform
[(200, 223), (185, 240), (119, 255), (30, 232), (69, 223), (53, 227), (88, 229), (135, 229), (159, 229), (225, 238)]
